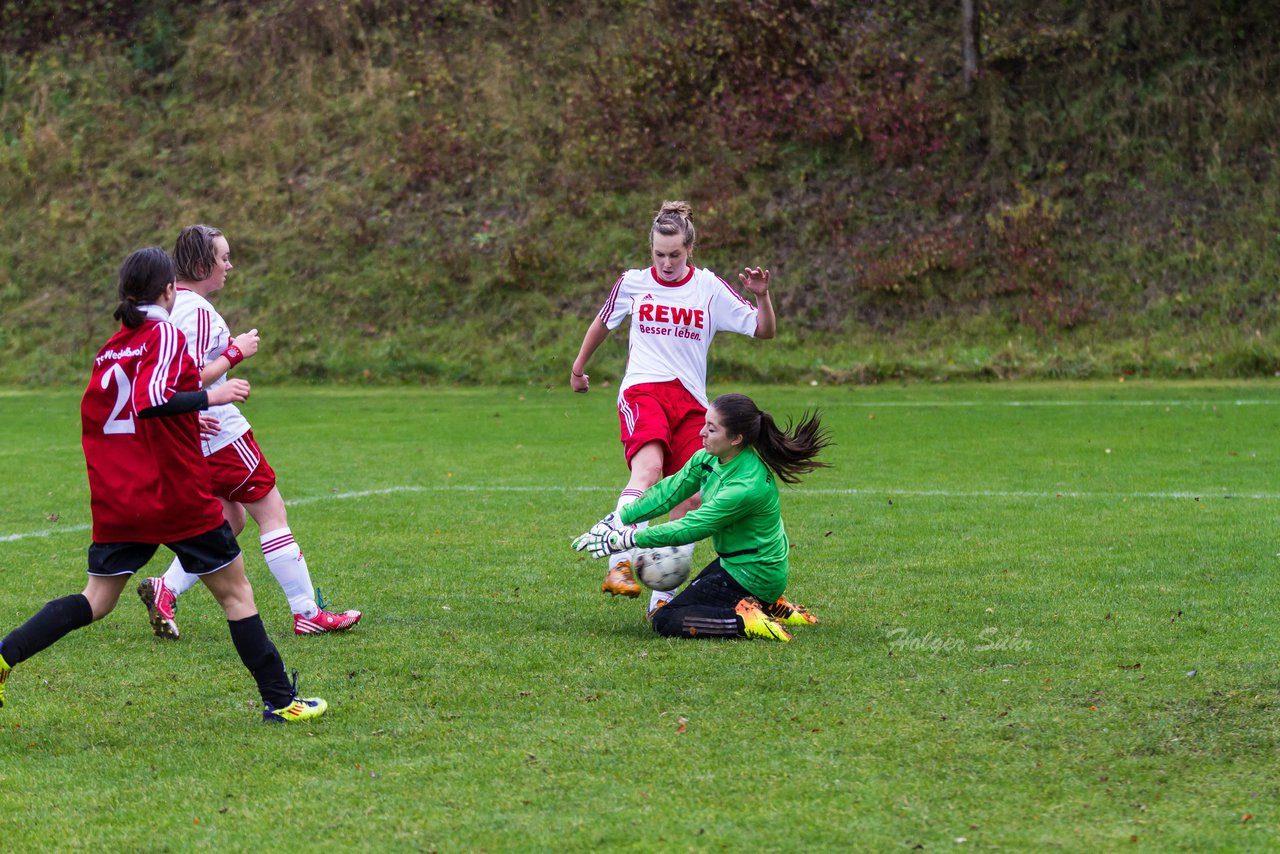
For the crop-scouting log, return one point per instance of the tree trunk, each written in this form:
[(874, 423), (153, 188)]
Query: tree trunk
[(972, 49)]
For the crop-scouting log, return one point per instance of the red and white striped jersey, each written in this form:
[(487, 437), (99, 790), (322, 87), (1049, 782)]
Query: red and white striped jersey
[(208, 336), (148, 480), (672, 325)]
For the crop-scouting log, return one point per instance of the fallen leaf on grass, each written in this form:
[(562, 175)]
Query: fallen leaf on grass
[(682, 724)]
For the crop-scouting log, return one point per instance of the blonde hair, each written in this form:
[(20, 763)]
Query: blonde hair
[(675, 218)]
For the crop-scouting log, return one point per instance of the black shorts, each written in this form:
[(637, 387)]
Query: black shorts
[(199, 555)]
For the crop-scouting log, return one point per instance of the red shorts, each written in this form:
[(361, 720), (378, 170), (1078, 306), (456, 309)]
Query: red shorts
[(240, 472), (661, 412)]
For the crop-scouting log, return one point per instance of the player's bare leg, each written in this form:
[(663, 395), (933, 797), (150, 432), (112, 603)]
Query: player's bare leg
[(103, 592), (159, 595), (646, 470), (284, 559)]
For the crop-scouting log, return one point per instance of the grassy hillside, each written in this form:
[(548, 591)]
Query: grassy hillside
[(445, 191)]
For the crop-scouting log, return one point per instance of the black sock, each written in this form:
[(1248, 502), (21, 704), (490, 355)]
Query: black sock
[(262, 658), (50, 624)]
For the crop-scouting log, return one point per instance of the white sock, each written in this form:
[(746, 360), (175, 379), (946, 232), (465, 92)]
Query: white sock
[(287, 564), (628, 495), (660, 597), (177, 579)]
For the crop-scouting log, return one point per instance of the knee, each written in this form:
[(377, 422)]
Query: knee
[(646, 476), (665, 622)]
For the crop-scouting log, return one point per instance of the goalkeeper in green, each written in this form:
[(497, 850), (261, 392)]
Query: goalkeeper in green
[(739, 594)]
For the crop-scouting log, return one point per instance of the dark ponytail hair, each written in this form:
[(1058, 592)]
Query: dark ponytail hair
[(144, 275), (788, 451)]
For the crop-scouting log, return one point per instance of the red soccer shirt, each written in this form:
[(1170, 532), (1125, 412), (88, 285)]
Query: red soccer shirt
[(148, 480)]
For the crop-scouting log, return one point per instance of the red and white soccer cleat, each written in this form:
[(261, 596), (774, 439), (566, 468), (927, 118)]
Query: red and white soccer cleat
[(325, 621), (160, 603)]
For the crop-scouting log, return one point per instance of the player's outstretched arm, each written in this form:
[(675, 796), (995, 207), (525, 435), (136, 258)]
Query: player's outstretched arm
[(756, 281), (579, 380)]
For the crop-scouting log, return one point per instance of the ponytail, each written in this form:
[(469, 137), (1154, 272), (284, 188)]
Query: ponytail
[(128, 313), (788, 451), (144, 275)]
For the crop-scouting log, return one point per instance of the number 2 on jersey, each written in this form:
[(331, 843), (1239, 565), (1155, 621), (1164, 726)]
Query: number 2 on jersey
[(116, 422)]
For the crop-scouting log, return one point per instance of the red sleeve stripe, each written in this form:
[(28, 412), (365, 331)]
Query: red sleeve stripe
[(611, 301), (736, 295), (202, 338)]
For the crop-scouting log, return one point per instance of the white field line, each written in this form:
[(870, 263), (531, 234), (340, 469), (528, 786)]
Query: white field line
[(886, 492), (974, 404), (333, 496), (889, 491)]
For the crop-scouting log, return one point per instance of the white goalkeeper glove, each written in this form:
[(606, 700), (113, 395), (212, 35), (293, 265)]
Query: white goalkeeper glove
[(609, 523), (601, 541)]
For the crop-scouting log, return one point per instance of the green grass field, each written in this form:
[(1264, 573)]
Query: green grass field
[(1049, 620)]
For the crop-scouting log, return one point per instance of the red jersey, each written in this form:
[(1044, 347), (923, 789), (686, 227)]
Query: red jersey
[(148, 479)]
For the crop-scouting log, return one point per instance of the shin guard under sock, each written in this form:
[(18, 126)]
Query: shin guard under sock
[(262, 659), (57, 619)]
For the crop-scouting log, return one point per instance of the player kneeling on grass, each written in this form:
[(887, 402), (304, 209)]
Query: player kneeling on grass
[(149, 485), (742, 452)]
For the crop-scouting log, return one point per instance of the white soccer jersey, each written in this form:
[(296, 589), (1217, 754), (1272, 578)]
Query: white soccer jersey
[(672, 325), (207, 337)]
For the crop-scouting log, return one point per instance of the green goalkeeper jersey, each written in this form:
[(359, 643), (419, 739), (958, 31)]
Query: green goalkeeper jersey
[(740, 512)]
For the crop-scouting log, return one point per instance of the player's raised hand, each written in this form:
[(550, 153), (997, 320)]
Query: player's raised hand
[(246, 343), (755, 280), (600, 542), (232, 391)]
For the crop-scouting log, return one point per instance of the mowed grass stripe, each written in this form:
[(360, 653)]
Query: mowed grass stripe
[(799, 491)]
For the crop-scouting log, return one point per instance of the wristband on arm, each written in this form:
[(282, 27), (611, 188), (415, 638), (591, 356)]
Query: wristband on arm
[(233, 354)]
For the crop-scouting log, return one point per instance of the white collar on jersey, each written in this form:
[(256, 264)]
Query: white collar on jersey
[(153, 311)]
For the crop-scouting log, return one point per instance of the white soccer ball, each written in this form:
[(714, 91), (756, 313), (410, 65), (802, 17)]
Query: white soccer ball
[(662, 568)]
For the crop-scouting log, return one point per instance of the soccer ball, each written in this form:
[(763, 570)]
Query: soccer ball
[(662, 568)]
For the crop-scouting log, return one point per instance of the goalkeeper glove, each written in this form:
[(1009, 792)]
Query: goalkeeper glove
[(600, 542), (612, 522), (609, 524)]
